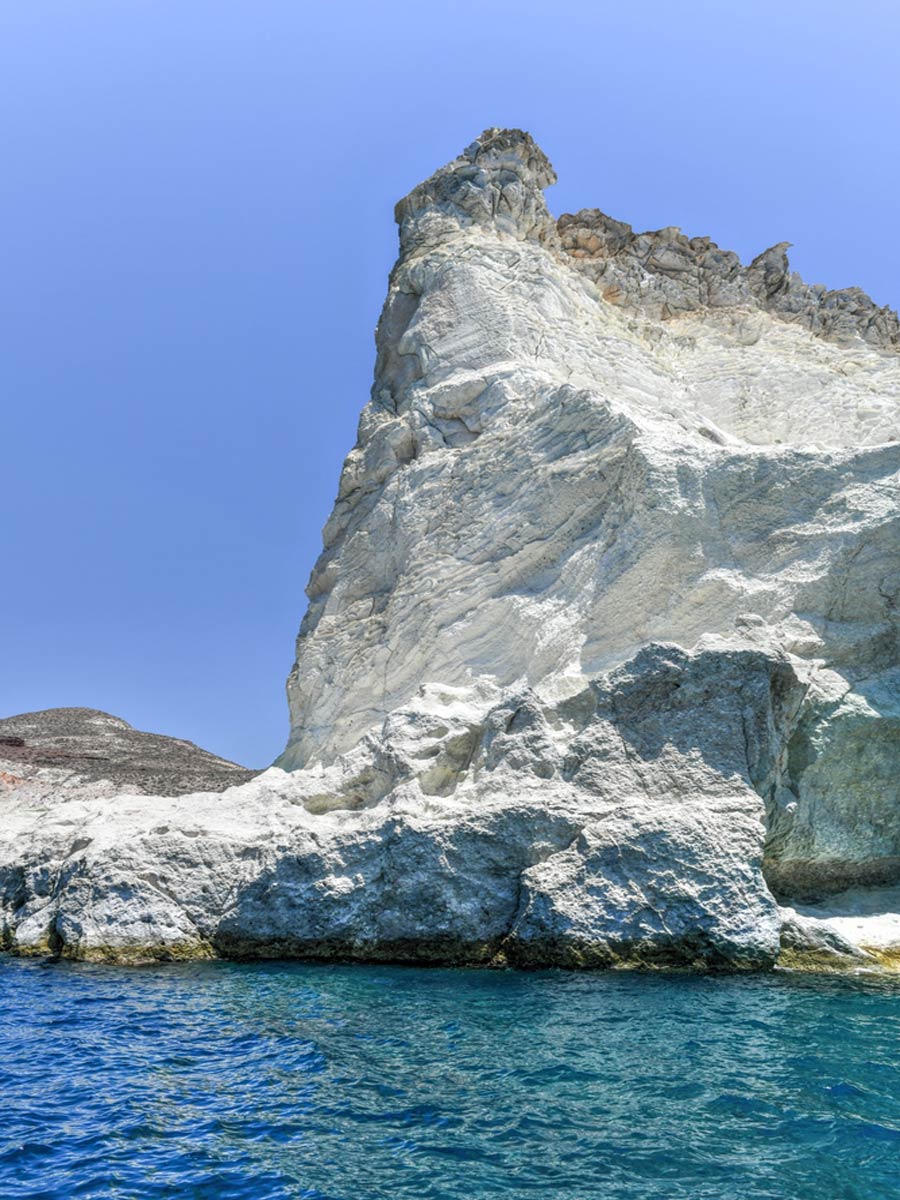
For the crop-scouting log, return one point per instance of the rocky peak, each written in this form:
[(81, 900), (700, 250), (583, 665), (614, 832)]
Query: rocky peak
[(497, 182), (602, 653)]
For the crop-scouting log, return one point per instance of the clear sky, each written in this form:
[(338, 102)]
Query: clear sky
[(196, 210)]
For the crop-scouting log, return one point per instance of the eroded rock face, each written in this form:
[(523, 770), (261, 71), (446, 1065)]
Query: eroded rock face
[(601, 654), (588, 832)]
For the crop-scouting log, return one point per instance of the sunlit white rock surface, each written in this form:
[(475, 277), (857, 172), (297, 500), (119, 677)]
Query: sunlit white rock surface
[(603, 636)]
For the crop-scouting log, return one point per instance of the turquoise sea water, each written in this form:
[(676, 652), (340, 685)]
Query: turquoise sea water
[(350, 1083)]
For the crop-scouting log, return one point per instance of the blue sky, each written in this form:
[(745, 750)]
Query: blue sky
[(196, 203)]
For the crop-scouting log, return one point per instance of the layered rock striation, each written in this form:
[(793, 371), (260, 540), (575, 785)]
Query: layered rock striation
[(600, 664)]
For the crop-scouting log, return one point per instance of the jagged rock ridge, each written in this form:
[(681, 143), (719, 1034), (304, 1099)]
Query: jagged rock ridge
[(664, 273), (603, 635)]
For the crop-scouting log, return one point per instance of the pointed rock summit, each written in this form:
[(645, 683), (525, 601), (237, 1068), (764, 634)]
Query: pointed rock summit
[(600, 664), (496, 184)]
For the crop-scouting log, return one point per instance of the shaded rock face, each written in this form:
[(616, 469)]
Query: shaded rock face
[(601, 660), (585, 833), (79, 748)]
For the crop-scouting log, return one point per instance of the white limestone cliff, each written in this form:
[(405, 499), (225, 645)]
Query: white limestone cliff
[(601, 655)]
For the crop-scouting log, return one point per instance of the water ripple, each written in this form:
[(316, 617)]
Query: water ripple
[(286, 1081)]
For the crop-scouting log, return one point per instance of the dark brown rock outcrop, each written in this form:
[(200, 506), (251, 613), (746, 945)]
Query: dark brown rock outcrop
[(90, 746)]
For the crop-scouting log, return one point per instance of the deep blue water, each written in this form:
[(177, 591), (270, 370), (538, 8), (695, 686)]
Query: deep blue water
[(350, 1083)]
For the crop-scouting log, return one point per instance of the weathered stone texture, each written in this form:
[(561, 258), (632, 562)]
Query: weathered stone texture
[(600, 662)]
